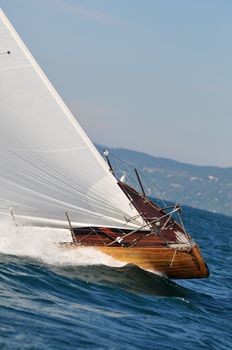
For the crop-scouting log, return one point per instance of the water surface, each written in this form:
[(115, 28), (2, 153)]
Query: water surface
[(52, 300)]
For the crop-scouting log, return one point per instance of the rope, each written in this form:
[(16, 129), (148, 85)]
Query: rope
[(129, 171), (148, 224)]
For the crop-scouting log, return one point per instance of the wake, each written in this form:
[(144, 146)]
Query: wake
[(42, 244)]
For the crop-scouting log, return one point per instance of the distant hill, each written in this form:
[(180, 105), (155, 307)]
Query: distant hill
[(204, 187)]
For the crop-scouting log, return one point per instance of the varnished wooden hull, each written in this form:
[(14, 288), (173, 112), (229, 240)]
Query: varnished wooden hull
[(175, 264)]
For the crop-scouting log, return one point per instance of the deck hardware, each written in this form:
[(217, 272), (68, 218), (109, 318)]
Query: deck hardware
[(12, 215), (71, 229), (140, 182)]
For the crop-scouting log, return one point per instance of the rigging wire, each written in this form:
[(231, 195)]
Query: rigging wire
[(131, 175)]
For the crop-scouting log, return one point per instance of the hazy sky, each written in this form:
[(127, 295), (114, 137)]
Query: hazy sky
[(149, 75)]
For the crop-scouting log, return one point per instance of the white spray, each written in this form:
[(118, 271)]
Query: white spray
[(42, 244)]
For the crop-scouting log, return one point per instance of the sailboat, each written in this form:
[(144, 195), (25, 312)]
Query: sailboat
[(52, 175)]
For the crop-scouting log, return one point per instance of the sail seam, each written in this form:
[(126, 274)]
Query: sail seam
[(16, 67)]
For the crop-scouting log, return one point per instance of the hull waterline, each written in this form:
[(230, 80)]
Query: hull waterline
[(170, 262)]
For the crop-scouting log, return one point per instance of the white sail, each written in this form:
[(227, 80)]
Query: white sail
[(47, 163)]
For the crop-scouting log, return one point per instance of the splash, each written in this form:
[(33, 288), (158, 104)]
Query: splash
[(42, 244)]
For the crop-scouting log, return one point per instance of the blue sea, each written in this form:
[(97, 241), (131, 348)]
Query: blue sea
[(84, 300)]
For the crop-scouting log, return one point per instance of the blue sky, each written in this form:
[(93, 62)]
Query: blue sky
[(151, 75)]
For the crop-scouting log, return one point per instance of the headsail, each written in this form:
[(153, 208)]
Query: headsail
[(47, 163)]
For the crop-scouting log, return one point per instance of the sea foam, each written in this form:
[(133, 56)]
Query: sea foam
[(42, 243)]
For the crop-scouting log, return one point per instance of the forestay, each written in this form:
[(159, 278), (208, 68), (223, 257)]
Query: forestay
[(47, 163)]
